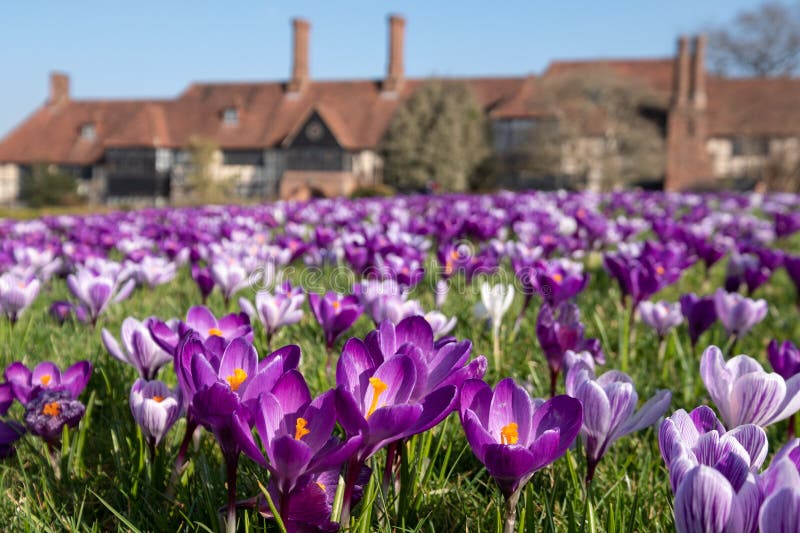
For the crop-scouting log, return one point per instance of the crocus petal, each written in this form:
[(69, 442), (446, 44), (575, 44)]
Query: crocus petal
[(76, 377), (779, 513), (508, 465), (648, 414), (388, 423), (754, 440), (112, 346), (200, 319), (755, 397), (703, 502), (791, 401), (19, 376)]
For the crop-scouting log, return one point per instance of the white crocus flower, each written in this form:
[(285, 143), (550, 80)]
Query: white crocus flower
[(495, 302)]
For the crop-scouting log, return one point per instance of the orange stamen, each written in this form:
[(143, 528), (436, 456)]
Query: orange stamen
[(236, 379), (509, 434), (379, 388), (301, 429), (215, 332), (45, 379), (51, 409)]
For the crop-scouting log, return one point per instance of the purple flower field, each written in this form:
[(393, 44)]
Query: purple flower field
[(510, 362)]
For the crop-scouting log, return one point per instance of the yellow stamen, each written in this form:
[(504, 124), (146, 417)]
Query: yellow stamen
[(45, 379), (157, 399), (509, 433), (336, 305), (51, 409), (660, 270), (379, 388), (448, 267), (558, 278), (320, 485), (236, 379), (215, 332), (301, 428), (454, 255)]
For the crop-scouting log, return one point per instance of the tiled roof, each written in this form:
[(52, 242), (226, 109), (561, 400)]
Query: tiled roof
[(655, 73), (753, 106), (357, 112)]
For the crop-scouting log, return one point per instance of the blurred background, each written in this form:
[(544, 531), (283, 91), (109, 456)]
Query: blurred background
[(189, 103)]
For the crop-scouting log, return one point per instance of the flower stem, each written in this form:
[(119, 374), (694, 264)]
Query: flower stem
[(496, 348), (510, 518), (231, 463), (391, 456), (180, 459), (553, 381), (353, 469)]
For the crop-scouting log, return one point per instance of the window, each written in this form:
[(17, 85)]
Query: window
[(512, 134), (163, 159), (750, 146), (230, 116), (88, 132)]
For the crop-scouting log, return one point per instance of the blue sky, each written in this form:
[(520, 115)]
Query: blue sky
[(156, 48)]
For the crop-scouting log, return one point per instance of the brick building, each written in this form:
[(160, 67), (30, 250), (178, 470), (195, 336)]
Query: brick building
[(287, 138)]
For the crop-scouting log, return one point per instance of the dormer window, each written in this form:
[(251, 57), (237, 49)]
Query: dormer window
[(230, 116), (88, 132)]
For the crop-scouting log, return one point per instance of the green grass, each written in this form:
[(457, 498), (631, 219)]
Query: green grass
[(107, 483)]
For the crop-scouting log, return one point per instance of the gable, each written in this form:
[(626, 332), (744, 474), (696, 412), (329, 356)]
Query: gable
[(313, 132)]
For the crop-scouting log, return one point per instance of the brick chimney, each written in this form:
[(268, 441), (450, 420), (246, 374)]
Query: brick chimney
[(59, 88), (395, 73), (682, 72), (300, 75), (699, 98)]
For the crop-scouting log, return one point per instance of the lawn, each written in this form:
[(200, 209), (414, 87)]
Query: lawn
[(101, 475)]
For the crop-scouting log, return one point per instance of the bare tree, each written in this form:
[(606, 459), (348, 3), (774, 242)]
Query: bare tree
[(761, 42), (439, 134), (602, 128)]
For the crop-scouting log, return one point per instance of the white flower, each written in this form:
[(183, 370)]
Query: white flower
[(496, 300)]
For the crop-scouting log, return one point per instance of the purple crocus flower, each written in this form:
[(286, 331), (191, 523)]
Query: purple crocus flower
[(561, 331), (153, 271), (205, 282), (276, 311), (395, 384), (700, 314), (155, 408), (699, 438), (51, 410), (140, 350), (10, 432), (744, 393), (6, 398), (230, 275), (95, 291), (297, 433), (738, 313), (792, 265), (784, 358), (17, 293), (46, 376), (559, 280), (514, 435), (216, 333), (609, 409), (335, 313), (661, 316), (221, 391)]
